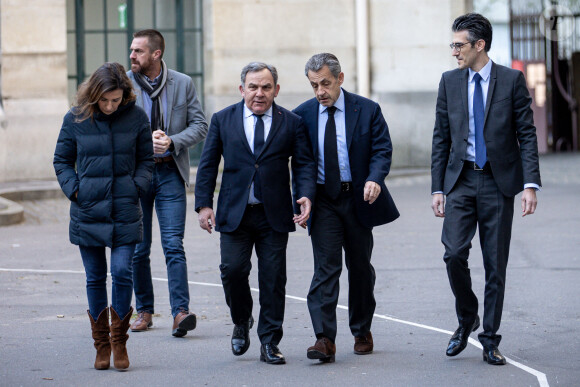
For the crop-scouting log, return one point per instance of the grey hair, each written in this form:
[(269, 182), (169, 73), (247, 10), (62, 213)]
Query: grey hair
[(258, 66), (318, 61)]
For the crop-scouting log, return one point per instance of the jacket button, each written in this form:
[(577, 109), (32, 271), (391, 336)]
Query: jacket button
[(256, 166)]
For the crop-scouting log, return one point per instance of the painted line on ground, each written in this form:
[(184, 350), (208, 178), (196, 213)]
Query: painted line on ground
[(542, 379)]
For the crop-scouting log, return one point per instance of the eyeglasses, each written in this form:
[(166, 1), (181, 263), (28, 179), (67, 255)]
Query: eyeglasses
[(458, 46)]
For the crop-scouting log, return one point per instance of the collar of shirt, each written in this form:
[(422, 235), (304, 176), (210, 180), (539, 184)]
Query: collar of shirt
[(250, 124), (484, 72), (339, 104), (154, 81)]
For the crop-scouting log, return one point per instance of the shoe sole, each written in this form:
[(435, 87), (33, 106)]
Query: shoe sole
[(278, 361), (187, 324), (486, 359), (322, 357), (363, 352), (142, 330)]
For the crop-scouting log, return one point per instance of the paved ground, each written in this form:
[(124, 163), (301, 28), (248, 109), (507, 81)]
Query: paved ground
[(45, 332)]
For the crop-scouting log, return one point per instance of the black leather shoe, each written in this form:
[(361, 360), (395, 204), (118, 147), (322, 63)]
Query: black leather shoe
[(493, 356), (241, 337), (270, 354), (459, 339)]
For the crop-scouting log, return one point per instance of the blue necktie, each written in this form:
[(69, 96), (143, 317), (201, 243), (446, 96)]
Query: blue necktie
[(258, 145), (478, 120)]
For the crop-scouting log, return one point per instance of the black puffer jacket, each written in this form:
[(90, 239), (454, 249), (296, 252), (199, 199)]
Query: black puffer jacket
[(108, 160)]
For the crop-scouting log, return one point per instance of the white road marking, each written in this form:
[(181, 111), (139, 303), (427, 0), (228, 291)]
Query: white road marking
[(542, 379)]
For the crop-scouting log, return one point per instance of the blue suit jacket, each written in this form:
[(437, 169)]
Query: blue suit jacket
[(287, 140), (369, 152)]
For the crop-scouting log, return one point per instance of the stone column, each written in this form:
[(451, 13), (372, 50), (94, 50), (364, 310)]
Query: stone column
[(34, 86)]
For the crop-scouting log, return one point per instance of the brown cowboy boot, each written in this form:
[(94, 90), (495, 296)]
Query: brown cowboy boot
[(100, 330), (119, 338)]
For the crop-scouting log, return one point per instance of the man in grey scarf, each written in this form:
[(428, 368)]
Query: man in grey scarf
[(177, 122)]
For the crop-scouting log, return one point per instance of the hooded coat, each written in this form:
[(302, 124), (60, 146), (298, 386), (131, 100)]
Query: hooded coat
[(108, 160)]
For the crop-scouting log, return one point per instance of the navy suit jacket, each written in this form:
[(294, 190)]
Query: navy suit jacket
[(509, 131), (287, 140), (369, 152)]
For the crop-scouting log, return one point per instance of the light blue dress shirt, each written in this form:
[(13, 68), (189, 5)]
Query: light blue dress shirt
[(339, 119), (249, 126), (484, 73)]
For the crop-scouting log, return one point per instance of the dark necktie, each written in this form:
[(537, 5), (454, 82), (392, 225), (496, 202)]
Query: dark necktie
[(331, 171), (478, 120), (258, 145)]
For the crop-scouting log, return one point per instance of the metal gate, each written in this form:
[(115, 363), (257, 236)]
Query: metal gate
[(101, 31), (545, 46)]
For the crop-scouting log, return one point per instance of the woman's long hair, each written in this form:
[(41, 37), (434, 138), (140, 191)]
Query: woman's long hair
[(110, 76)]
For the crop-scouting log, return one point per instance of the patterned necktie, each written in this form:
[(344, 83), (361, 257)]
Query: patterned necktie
[(478, 119), (331, 171), (258, 145)]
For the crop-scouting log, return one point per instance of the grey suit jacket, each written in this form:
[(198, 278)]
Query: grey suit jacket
[(509, 131), (185, 122)]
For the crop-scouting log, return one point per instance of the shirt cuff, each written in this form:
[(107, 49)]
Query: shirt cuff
[(532, 185), (436, 192)]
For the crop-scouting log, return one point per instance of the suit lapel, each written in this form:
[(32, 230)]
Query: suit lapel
[(351, 114), (239, 125), (463, 81), (277, 120), (170, 94), (138, 91), (492, 80)]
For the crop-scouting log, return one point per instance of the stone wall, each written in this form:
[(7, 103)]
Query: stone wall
[(34, 80)]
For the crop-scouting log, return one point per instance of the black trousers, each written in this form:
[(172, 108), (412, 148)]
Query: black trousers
[(335, 227), (236, 253), (476, 201)]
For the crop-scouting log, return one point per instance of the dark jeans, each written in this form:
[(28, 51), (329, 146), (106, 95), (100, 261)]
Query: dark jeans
[(335, 227), (95, 262), (236, 252), (476, 201), (167, 194)]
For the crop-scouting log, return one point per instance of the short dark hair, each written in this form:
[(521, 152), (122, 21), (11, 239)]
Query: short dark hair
[(477, 26), (318, 61), (258, 66), (155, 40)]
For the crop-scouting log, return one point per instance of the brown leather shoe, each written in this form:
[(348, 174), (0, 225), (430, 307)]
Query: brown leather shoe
[(143, 322), (363, 345), (183, 322), (323, 350)]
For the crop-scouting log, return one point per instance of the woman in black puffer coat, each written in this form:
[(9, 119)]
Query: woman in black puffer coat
[(103, 159)]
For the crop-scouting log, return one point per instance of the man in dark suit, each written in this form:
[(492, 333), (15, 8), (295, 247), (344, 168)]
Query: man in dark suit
[(256, 138), (351, 143), (484, 152)]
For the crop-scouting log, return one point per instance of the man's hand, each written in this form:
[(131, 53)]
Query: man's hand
[(206, 218), (161, 142), (529, 201), (305, 207), (438, 205), (371, 192)]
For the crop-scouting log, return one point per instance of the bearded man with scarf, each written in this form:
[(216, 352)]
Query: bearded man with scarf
[(177, 122)]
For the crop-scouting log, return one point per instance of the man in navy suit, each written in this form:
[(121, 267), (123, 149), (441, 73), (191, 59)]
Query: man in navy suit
[(257, 139), (485, 152), (351, 143)]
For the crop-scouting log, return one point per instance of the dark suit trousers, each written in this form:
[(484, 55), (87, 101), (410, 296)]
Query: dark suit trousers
[(236, 254), (476, 201), (334, 227)]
